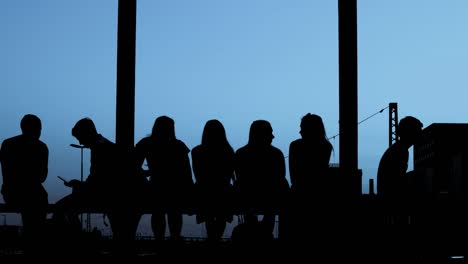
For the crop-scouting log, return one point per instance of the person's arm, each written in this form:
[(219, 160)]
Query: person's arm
[(284, 185), (187, 169), (293, 164), (3, 162), (329, 153), (139, 154), (73, 183), (43, 169), (140, 159), (231, 167), (1, 152), (239, 170), (196, 165)]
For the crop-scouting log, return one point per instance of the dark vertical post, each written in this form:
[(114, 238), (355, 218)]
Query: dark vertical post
[(126, 38), (347, 38), (371, 187)]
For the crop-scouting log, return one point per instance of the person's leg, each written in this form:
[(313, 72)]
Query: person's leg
[(210, 225), (175, 221), (219, 226), (269, 222), (158, 224), (123, 224), (33, 229), (66, 216), (33, 222), (66, 226)]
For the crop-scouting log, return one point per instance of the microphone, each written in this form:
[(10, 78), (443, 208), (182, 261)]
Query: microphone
[(77, 146)]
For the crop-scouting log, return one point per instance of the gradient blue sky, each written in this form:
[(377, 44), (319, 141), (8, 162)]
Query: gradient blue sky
[(236, 61)]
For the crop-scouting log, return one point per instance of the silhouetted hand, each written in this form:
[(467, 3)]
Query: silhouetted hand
[(73, 183)]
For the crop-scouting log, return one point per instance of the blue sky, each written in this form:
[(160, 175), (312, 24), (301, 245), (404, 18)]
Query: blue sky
[(236, 61)]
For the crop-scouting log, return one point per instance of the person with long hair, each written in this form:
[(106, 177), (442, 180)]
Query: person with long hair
[(213, 166), (170, 173), (261, 176), (309, 158)]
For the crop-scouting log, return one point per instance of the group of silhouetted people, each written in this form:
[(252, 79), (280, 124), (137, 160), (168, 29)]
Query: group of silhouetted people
[(250, 181)]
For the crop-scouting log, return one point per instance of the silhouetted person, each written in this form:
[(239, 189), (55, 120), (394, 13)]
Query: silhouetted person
[(24, 160), (392, 180), (110, 186), (309, 157), (171, 183), (261, 175), (213, 166)]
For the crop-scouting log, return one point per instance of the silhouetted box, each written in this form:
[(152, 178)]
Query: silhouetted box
[(441, 161)]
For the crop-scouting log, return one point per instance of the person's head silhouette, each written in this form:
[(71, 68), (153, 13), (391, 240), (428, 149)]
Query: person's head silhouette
[(214, 133), (31, 126), (261, 133), (85, 131), (409, 130), (163, 129), (312, 127)]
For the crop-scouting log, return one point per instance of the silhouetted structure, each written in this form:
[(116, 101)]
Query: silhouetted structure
[(171, 183), (441, 161), (440, 185), (348, 94), (24, 160), (392, 123), (125, 95), (213, 166), (261, 176)]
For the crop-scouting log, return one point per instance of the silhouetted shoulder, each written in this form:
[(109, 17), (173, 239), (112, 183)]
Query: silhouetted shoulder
[(19, 142), (144, 142), (328, 144), (181, 146), (9, 141), (393, 156), (144, 145), (241, 150), (277, 151), (3, 149), (295, 143), (42, 144), (320, 143), (197, 150), (103, 142)]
